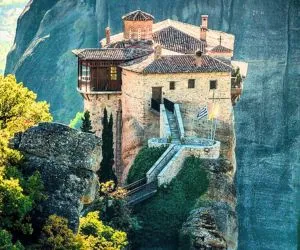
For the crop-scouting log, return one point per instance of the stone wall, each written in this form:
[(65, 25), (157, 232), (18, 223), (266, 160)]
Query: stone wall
[(140, 123), (138, 29), (95, 104), (179, 120), (164, 127), (191, 99), (176, 163)]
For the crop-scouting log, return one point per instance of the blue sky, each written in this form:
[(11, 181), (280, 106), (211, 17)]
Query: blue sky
[(9, 13)]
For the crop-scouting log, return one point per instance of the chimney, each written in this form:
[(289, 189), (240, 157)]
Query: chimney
[(198, 57), (107, 35), (203, 27), (204, 21), (157, 52)]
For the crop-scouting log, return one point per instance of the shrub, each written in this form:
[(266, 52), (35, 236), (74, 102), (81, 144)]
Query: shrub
[(162, 216), (143, 162), (57, 235), (96, 235)]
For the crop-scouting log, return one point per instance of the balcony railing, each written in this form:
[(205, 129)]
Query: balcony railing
[(86, 85)]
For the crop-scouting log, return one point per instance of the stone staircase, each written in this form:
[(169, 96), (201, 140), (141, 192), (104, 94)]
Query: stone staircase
[(173, 127), (147, 187)]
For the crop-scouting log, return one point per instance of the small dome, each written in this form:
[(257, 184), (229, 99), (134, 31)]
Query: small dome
[(138, 15)]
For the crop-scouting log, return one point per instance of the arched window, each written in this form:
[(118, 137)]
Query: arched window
[(139, 33)]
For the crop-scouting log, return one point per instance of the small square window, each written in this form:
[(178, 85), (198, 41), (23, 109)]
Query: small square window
[(172, 85), (191, 83), (213, 84)]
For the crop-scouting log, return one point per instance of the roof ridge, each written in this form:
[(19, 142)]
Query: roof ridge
[(218, 61)]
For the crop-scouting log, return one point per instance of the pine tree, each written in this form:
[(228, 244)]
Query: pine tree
[(86, 123), (106, 172)]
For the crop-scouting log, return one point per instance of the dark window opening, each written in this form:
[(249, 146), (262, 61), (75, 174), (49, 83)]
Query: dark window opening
[(172, 85), (213, 84), (191, 83)]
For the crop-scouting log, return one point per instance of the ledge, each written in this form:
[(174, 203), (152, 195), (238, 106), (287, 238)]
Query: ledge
[(99, 92)]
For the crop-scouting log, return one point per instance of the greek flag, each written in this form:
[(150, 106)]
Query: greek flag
[(202, 113)]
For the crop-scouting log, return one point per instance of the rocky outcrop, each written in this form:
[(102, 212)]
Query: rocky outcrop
[(67, 161), (217, 211), (201, 232)]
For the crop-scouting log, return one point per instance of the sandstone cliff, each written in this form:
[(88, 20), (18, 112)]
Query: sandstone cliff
[(67, 160)]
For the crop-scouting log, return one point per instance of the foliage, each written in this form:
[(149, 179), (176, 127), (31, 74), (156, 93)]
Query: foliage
[(6, 241), (57, 235), (106, 172), (14, 206), (19, 110), (173, 202), (86, 123), (92, 234), (143, 162), (75, 122), (236, 73), (113, 207), (96, 235)]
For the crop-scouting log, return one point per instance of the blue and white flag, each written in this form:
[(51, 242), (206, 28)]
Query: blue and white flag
[(202, 113)]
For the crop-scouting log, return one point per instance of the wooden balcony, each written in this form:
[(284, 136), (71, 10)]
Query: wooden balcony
[(87, 86)]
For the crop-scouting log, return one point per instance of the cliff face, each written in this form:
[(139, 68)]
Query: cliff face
[(267, 117)]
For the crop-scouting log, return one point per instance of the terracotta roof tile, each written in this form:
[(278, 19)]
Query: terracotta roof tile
[(176, 64), (173, 39), (220, 49), (138, 15), (112, 54)]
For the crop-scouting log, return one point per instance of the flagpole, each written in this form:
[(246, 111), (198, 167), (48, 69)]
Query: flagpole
[(212, 121)]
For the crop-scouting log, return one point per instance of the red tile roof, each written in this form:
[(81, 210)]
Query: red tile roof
[(138, 15), (176, 64), (173, 39), (122, 54), (220, 49)]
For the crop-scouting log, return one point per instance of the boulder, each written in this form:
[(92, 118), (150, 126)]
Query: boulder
[(67, 160)]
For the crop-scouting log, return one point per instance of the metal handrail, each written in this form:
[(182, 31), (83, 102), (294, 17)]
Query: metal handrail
[(136, 183)]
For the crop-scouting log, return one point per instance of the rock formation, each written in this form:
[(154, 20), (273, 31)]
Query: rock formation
[(67, 161), (267, 117), (200, 232)]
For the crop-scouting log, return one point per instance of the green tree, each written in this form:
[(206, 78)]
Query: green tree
[(19, 110), (6, 241), (86, 123), (106, 172), (75, 122), (96, 235), (57, 235)]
